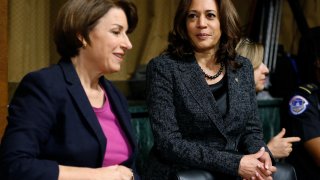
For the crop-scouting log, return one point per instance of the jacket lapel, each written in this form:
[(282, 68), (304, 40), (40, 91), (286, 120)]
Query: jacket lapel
[(120, 110), (236, 98), (79, 96), (194, 81), (233, 86)]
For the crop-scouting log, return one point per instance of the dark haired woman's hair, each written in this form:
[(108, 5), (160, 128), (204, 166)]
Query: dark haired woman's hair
[(179, 42), (79, 17)]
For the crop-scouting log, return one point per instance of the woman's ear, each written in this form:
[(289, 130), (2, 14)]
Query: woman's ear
[(82, 40)]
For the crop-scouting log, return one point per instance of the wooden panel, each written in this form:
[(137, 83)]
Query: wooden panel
[(3, 63)]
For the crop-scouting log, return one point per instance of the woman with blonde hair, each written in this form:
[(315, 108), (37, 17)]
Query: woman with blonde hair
[(279, 146), (254, 52)]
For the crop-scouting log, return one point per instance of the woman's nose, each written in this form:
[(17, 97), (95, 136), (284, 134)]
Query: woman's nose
[(127, 45), (265, 68), (202, 22)]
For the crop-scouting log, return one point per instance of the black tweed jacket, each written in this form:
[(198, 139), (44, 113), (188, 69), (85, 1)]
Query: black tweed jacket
[(189, 131)]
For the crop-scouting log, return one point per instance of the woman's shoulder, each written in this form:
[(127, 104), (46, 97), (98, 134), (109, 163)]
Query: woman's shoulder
[(245, 62), (163, 58), (242, 60), (44, 75), (163, 61), (43, 81), (172, 60)]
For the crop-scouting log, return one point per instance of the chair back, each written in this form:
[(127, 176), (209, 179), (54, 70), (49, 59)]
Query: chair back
[(284, 171)]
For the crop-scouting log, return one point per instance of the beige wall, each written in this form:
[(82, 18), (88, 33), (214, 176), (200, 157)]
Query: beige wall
[(28, 37), (149, 39), (289, 33)]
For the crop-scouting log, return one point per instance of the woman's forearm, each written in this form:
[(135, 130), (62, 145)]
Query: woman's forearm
[(110, 173), (70, 172)]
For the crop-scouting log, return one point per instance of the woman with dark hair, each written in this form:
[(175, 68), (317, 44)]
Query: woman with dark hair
[(67, 121), (201, 99)]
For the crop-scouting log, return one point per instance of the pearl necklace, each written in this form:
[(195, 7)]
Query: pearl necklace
[(216, 75)]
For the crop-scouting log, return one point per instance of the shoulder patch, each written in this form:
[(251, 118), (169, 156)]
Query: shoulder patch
[(298, 105)]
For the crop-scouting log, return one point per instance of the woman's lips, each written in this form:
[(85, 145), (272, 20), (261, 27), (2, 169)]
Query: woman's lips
[(202, 36), (119, 56)]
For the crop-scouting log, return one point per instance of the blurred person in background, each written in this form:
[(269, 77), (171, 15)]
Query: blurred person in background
[(279, 145), (302, 109)]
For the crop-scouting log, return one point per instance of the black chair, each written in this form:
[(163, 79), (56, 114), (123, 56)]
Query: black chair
[(284, 171), (193, 175)]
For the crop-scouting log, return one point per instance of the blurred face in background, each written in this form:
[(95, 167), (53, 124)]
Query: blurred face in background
[(260, 75)]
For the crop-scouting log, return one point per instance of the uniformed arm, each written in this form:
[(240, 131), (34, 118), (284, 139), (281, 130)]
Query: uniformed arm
[(312, 118), (313, 147), (305, 117)]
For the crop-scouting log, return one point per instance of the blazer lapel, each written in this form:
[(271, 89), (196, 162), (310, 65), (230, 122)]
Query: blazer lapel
[(233, 85), (120, 110), (194, 80), (235, 98), (78, 94)]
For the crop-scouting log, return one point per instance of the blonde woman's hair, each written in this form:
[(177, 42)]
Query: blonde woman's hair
[(251, 50)]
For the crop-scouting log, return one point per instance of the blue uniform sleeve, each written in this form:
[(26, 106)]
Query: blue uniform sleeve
[(304, 116)]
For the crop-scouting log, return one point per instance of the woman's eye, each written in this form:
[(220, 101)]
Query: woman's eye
[(192, 16), (116, 32), (211, 15)]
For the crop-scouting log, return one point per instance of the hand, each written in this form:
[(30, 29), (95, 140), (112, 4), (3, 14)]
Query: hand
[(267, 169), (116, 172), (281, 147), (256, 166)]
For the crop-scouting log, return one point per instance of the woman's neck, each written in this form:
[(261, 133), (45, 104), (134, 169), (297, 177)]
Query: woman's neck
[(88, 76), (206, 59), (213, 71), (89, 79)]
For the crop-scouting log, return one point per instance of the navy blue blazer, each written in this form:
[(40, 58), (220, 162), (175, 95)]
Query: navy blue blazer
[(51, 123), (189, 130)]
